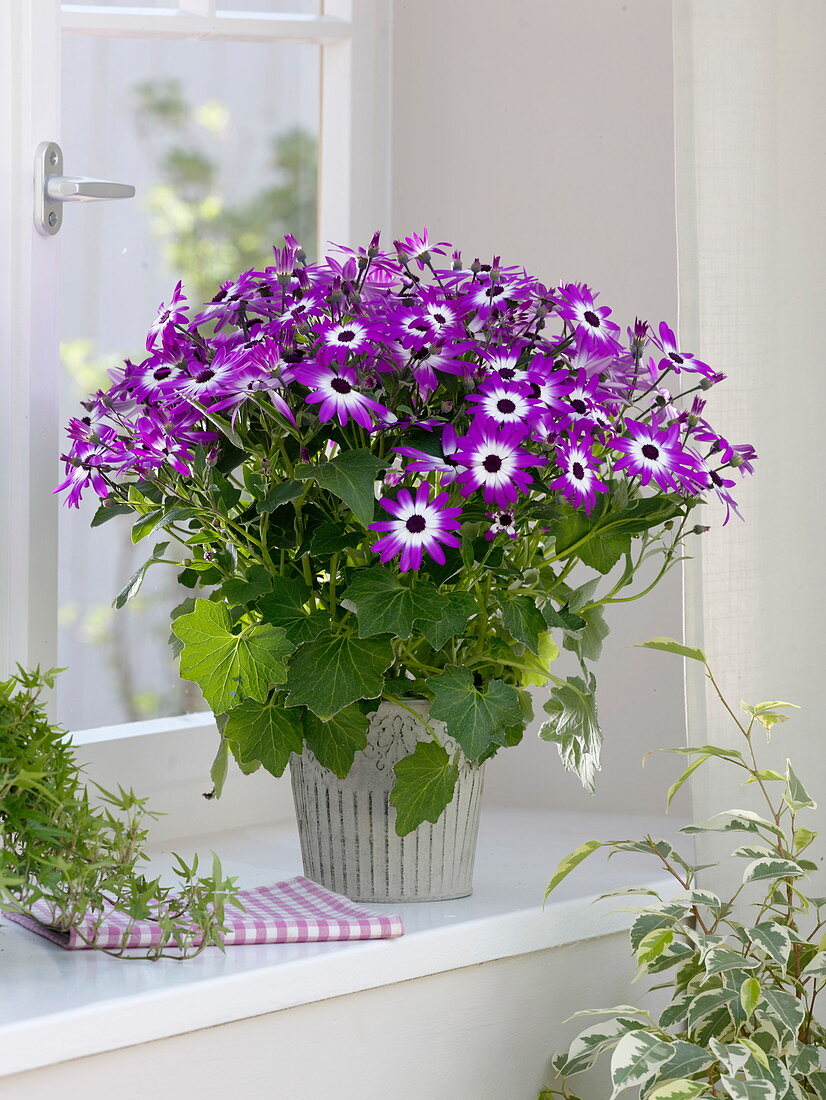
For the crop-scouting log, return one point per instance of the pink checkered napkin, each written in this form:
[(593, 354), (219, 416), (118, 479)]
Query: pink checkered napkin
[(294, 911)]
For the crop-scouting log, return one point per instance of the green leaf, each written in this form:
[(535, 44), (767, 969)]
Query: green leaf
[(677, 1090), (785, 1008), (687, 1059), (218, 771), (749, 1090), (474, 716), (108, 511), (721, 959), (159, 517), (603, 550), (653, 944), (709, 1005), (587, 642), (771, 867), (668, 645), (678, 783), (456, 610), (572, 860), (767, 714), (133, 585), (774, 939), (350, 476), (817, 967), (286, 605), (334, 743), (425, 782), (574, 728), (385, 605), (591, 1042), (730, 821), (796, 794), (332, 671), (247, 589), (264, 733), (562, 618), (803, 838), (636, 1056), (540, 672), (229, 666), (280, 495), (749, 995), (523, 619)]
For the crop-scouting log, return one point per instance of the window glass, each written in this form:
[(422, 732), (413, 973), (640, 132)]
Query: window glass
[(219, 139)]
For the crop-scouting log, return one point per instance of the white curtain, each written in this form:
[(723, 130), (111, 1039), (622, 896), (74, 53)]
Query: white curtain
[(750, 95)]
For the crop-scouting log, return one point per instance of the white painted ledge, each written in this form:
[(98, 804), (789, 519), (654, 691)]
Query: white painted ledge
[(58, 1005)]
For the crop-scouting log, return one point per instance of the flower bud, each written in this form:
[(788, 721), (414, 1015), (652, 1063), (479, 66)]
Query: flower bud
[(692, 420), (476, 267), (706, 383), (736, 461), (699, 529), (373, 247)]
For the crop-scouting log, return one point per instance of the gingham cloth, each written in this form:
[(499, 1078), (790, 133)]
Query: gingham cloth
[(294, 911)]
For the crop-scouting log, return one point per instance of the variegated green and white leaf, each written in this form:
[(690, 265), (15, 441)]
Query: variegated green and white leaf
[(785, 1009), (637, 1055), (774, 939), (817, 967), (719, 960), (591, 1042), (677, 1090), (686, 1060), (771, 867), (749, 1090)]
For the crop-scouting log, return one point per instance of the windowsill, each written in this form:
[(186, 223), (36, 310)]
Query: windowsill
[(58, 1005)]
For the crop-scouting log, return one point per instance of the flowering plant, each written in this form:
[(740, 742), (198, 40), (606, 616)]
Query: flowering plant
[(511, 438)]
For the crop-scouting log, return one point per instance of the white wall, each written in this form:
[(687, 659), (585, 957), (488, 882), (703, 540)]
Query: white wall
[(543, 130)]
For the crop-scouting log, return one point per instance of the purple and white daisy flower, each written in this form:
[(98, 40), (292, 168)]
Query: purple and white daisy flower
[(657, 454), (339, 339), (419, 248), (419, 525), (422, 462), (677, 360), (496, 462), (503, 524), (590, 321), (334, 388), (168, 316), (504, 402), (579, 481)]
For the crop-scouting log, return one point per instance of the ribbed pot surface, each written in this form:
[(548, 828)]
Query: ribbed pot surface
[(348, 827)]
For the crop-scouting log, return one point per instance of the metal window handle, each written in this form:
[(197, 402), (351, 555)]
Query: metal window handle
[(52, 189)]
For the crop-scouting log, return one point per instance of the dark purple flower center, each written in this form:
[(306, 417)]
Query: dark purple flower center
[(416, 524), (506, 406), (495, 290), (578, 405), (506, 518), (592, 318), (345, 336), (650, 452), (161, 373), (205, 375), (577, 471), (422, 353), (675, 357), (508, 373), (440, 317), (536, 389), (492, 463), (340, 385), (715, 478)]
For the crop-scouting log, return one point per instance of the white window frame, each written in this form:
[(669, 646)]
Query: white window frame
[(354, 37)]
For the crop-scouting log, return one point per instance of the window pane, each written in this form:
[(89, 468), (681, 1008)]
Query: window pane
[(219, 139)]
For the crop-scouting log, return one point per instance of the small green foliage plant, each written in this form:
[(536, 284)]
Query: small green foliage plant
[(73, 851), (740, 1022)]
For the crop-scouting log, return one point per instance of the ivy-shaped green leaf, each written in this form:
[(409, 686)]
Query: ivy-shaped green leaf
[(455, 613), (385, 605), (264, 733), (349, 476), (425, 782), (334, 743), (334, 670), (523, 619), (227, 666), (474, 717), (286, 605)]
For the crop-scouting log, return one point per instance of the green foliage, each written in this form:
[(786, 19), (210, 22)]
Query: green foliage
[(740, 1022), (474, 717), (425, 781), (81, 850)]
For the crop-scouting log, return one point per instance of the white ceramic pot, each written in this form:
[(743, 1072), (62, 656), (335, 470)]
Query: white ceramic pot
[(348, 827)]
